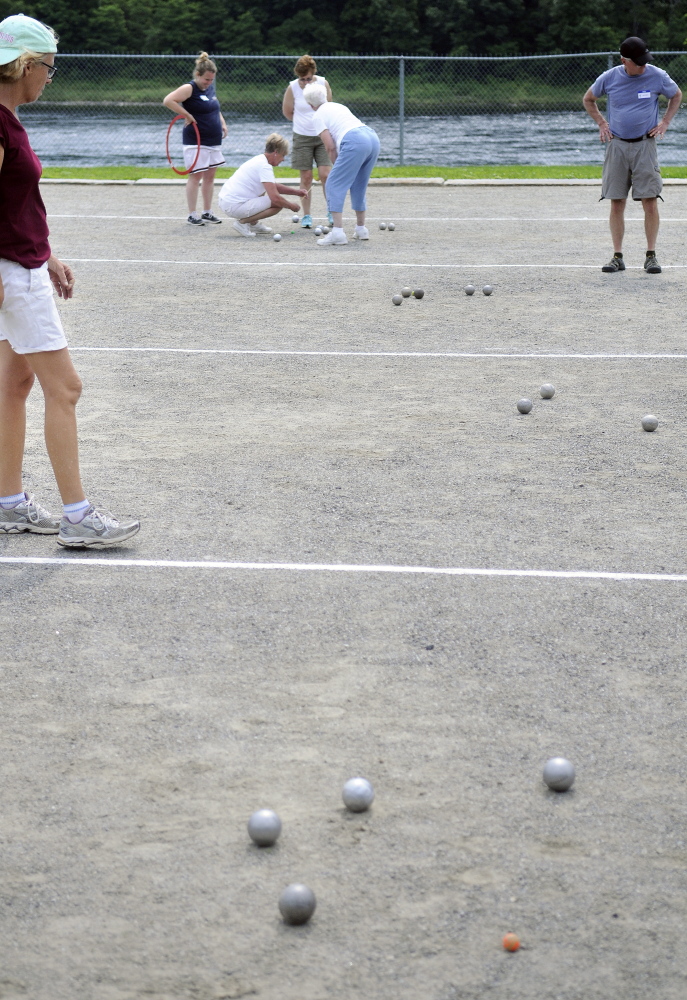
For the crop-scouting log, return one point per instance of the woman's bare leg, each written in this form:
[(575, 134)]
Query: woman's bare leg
[(323, 174), (208, 187), (16, 380), (192, 185), (62, 388), (306, 184)]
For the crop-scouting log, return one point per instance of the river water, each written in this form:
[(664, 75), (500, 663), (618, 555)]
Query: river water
[(97, 137)]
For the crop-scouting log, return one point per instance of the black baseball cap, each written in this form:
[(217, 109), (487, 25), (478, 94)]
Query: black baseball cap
[(636, 49)]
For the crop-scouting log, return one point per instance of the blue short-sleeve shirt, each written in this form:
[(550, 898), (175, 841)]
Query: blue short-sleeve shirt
[(633, 100)]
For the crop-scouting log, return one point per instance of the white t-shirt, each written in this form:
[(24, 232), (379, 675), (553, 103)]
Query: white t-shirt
[(247, 182), (302, 111), (337, 118)]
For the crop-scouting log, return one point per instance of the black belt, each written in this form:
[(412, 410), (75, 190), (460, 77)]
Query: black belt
[(638, 139)]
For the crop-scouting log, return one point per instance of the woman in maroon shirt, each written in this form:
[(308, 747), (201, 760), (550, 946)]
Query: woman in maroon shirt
[(32, 341)]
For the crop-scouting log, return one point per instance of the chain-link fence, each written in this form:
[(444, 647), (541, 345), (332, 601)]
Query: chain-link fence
[(106, 109)]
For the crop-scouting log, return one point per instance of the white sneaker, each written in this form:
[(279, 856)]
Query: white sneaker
[(258, 227), (334, 237), (98, 528), (243, 228), (361, 233)]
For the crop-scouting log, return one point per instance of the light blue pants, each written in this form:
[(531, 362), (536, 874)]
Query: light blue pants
[(356, 158)]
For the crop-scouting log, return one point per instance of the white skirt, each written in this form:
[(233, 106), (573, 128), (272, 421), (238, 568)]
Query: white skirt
[(209, 156)]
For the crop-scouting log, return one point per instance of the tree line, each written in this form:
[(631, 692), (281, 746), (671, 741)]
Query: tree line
[(441, 27)]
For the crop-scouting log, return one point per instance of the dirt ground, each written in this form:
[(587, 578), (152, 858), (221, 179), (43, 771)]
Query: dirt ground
[(147, 710)]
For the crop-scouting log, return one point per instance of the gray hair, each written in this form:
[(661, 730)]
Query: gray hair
[(315, 95)]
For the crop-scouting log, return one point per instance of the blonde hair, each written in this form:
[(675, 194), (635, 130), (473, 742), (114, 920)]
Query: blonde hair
[(204, 64), (305, 65), (276, 143), (13, 71)]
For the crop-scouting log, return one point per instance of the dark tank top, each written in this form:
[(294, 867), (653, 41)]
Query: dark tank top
[(204, 107)]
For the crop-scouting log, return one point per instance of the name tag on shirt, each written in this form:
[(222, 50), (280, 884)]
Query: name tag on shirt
[(643, 94)]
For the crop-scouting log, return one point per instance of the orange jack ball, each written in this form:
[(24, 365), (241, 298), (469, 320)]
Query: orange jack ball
[(511, 942)]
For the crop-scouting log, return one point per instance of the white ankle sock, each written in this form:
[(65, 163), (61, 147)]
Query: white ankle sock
[(75, 512), (360, 229), (9, 502)]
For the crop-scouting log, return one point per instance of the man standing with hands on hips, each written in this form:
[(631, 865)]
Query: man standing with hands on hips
[(631, 159)]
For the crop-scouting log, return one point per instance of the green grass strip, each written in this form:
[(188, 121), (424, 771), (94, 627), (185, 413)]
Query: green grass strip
[(448, 173)]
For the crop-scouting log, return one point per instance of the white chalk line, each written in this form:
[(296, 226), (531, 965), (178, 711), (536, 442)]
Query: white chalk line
[(546, 574), (362, 263), (396, 218), (388, 354)]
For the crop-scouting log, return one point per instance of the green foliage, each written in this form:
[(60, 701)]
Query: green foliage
[(488, 27)]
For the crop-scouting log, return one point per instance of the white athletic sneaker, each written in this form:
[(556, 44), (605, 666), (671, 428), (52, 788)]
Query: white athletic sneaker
[(243, 229), (98, 528), (258, 227), (333, 238), (29, 515), (361, 234)]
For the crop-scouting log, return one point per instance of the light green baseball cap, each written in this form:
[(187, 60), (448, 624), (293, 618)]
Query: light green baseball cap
[(19, 34)]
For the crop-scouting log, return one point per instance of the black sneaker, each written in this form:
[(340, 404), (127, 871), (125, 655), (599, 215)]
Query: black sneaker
[(614, 264), (651, 265), (212, 219), (192, 221)]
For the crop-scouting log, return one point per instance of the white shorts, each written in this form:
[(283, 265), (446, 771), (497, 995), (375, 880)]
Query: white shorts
[(244, 209), (209, 156), (29, 319)]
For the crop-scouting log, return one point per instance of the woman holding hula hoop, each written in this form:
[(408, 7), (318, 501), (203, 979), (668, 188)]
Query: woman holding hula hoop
[(32, 341), (197, 102), (307, 145)]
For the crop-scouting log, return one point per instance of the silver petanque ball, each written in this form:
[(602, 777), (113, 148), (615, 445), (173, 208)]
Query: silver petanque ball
[(487, 289), (358, 794), (469, 289), (547, 391), (277, 237), (559, 774), (406, 292), (391, 227), (297, 904), (418, 293), (295, 218), (264, 827), (397, 299), (649, 422), (524, 405), (318, 230), (382, 225), (325, 229)]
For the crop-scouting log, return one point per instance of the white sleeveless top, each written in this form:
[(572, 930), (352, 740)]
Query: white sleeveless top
[(302, 112)]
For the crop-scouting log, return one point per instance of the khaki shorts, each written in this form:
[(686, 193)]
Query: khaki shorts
[(307, 148), (631, 165)]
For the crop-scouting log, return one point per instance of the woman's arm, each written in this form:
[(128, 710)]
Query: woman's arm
[(225, 130), (329, 144), (2, 287), (329, 91), (173, 101), (287, 104), (61, 276)]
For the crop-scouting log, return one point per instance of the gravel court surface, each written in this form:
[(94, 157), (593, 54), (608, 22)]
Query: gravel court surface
[(148, 712)]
